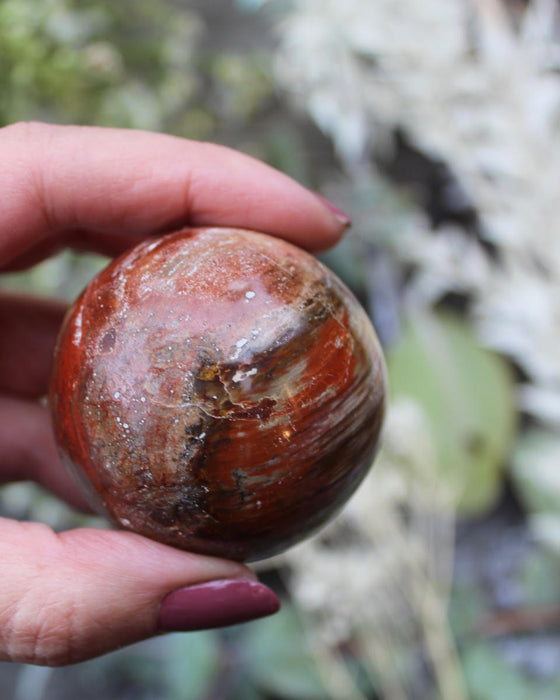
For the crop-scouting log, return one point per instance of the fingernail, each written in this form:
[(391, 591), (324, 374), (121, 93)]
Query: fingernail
[(341, 216), (216, 604)]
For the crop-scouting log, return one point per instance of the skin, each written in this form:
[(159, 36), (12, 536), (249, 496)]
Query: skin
[(70, 596)]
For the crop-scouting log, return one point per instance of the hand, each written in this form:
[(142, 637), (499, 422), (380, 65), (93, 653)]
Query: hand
[(70, 596)]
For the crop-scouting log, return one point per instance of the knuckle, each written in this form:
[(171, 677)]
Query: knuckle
[(38, 624), (41, 632), (32, 144)]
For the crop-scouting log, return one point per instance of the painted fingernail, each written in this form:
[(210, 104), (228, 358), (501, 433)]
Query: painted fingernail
[(216, 604), (341, 216)]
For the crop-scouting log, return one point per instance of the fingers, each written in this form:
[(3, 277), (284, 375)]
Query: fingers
[(86, 185), (27, 446), (29, 330), (28, 450), (65, 598)]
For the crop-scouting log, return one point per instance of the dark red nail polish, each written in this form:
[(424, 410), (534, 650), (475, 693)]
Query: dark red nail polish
[(342, 217), (216, 604)]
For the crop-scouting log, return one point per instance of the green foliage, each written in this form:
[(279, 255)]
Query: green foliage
[(190, 665), (266, 658), (490, 677), (467, 395), (45, 68), (280, 658), (134, 64)]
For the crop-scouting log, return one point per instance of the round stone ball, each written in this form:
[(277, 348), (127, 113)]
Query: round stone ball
[(218, 390)]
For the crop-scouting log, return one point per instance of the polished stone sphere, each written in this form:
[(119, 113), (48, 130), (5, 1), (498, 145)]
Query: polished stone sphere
[(218, 390)]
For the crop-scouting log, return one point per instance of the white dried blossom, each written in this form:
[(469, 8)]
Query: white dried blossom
[(519, 314), (342, 59), (447, 262), (542, 402), (480, 92)]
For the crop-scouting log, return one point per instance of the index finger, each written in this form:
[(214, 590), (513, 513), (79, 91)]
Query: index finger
[(88, 185)]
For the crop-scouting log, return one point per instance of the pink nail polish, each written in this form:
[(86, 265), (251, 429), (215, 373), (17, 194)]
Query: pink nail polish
[(342, 217), (216, 604)]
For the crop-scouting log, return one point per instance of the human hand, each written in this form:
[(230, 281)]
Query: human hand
[(73, 595)]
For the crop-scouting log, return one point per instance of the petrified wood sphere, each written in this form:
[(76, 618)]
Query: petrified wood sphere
[(218, 390)]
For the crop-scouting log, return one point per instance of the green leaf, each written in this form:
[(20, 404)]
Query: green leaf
[(489, 677), (281, 662), (468, 399)]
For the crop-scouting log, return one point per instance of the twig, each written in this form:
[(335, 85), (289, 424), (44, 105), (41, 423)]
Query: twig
[(520, 621)]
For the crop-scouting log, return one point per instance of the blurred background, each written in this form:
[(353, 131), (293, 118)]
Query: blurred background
[(435, 124)]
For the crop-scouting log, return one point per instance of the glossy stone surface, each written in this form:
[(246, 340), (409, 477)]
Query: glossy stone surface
[(218, 390)]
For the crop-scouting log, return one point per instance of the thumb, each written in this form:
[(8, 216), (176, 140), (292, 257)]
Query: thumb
[(71, 596)]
